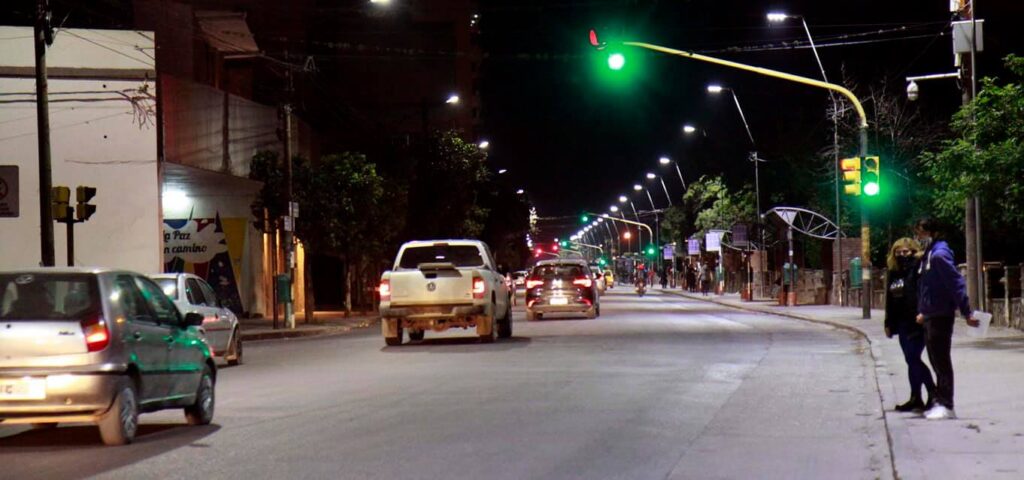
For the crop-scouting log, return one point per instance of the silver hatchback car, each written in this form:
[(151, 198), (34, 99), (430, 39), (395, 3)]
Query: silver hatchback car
[(192, 294), (99, 346)]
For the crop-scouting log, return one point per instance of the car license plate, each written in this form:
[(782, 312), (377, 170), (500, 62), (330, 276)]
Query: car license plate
[(559, 300), (22, 389)]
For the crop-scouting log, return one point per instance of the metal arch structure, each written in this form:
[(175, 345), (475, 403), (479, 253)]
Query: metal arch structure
[(807, 222)]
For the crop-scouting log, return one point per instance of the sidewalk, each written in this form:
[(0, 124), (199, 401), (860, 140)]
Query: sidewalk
[(327, 323), (986, 440)]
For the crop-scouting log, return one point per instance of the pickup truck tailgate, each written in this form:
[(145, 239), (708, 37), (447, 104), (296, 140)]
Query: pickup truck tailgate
[(433, 287)]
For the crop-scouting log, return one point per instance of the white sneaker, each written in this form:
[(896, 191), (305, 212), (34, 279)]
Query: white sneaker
[(939, 412)]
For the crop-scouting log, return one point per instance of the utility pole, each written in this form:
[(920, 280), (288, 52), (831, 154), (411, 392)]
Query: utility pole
[(289, 236), (972, 207), (43, 38)]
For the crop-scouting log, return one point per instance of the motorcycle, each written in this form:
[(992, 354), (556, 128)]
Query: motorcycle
[(641, 288)]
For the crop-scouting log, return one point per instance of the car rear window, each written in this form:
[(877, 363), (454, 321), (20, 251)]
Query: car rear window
[(565, 270), (33, 296), (459, 255), (169, 286)]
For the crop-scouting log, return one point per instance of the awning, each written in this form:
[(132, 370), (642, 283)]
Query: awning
[(228, 33)]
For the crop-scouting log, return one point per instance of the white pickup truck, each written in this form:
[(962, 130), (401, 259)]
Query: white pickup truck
[(441, 284)]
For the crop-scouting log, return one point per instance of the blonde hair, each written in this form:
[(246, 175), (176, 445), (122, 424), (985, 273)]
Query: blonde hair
[(905, 243)]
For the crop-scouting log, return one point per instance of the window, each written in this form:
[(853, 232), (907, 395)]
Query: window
[(559, 270), (195, 293), (211, 297), (48, 296), (169, 286), (127, 297), (162, 307), (458, 255)]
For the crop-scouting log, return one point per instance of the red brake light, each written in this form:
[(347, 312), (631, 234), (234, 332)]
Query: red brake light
[(583, 282), (97, 336), (479, 288), (385, 290), (531, 283)]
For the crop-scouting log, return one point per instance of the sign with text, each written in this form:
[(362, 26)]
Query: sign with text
[(739, 236), (9, 191), (693, 246), (668, 252), (713, 241)]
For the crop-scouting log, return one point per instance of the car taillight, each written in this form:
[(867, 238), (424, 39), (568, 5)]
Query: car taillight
[(583, 282), (97, 336), (479, 288), (385, 290), (531, 283)]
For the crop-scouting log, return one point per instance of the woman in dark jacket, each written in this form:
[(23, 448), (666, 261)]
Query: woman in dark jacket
[(900, 313)]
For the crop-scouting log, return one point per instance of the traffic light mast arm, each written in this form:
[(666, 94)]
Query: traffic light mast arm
[(623, 220), (596, 247), (762, 71)]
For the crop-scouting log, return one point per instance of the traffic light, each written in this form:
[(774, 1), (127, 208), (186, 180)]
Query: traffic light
[(584, 218), (602, 262), (59, 198), (84, 210), (871, 179), (851, 175), (538, 252), (564, 243), (554, 248), (650, 250), (616, 61)]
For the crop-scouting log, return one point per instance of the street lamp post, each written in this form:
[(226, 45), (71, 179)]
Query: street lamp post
[(651, 176), (666, 161)]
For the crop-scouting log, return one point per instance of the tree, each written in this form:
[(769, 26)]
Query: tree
[(708, 204), (445, 193), (986, 158)]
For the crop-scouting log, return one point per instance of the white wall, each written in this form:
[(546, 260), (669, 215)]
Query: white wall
[(94, 143)]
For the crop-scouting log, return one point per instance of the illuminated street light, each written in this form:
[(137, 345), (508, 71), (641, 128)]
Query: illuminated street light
[(520, 191), (483, 143), (501, 171), (452, 99), (613, 208), (715, 89), (777, 17), (664, 160), (638, 187), (689, 128), (623, 199), (651, 176)]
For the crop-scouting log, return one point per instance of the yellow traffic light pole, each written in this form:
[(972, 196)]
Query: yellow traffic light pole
[(865, 225)]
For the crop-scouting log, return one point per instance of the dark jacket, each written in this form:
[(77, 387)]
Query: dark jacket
[(901, 302), (941, 288)]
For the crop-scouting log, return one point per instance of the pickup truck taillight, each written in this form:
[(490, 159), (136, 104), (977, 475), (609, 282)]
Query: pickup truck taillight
[(583, 282), (97, 336), (385, 290), (479, 288), (531, 283)]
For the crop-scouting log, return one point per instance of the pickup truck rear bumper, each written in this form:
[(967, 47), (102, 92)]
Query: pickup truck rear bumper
[(415, 313)]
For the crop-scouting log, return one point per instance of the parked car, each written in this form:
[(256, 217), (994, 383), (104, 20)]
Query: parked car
[(561, 286), (99, 346), (442, 284), (192, 294)]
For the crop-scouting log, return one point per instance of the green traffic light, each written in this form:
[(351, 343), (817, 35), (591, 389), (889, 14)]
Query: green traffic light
[(616, 61), (584, 218), (871, 189)]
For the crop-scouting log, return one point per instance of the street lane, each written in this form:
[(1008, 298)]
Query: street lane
[(657, 387)]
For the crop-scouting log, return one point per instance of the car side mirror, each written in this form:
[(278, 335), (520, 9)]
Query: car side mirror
[(193, 319)]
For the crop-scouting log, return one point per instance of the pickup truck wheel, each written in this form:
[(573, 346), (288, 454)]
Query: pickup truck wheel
[(397, 339), (505, 324), (416, 334), (492, 324)]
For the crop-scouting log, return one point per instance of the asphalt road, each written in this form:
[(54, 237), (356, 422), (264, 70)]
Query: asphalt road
[(657, 387)]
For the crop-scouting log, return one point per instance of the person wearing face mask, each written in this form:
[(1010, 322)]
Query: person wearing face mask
[(900, 320), (941, 292)]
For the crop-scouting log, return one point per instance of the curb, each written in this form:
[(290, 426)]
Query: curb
[(318, 331), (872, 349)]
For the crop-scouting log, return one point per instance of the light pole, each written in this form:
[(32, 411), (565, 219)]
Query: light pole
[(656, 238), (717, 89), (666, 161), (652, 176), (776, 17)]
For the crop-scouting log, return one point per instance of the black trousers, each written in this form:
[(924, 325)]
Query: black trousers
[(939, 341), (918, 373)]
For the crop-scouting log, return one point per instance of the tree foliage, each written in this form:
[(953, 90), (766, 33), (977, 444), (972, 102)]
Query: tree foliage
[(708, 204), (445, 193), (986, 158)]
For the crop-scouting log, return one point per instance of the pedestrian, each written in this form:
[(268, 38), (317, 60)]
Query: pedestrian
[(901, 321), (706, 279), (941, 292), (664, 278), (691, 278)]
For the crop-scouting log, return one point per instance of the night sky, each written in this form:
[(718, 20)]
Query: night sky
[(576, 142)]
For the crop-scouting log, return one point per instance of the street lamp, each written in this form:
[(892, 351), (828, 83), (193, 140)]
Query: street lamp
[(666, 161), (717, 89), (651, 176), (520, 191), (622, 199), (484, 144), (453, 99), (637, 187), (613, 208), (502, 170), (689, 128)]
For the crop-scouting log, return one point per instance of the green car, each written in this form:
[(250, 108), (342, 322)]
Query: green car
[(99, 346)]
